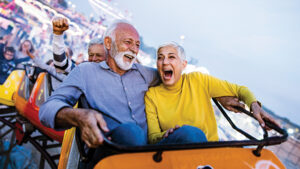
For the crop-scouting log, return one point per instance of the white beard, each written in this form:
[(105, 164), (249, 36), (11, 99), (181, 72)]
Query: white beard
[(118, 57), (120, 61)]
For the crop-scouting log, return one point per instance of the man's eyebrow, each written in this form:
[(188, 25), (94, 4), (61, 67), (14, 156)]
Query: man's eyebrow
[(128, 39), (131, 39)]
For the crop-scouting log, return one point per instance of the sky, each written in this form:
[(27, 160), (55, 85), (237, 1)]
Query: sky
[(255, 43)]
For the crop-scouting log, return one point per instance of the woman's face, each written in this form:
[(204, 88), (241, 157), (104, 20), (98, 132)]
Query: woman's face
[(169, 65), (26, 46)]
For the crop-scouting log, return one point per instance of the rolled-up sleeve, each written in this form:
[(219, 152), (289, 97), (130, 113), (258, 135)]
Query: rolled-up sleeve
[(61, 62), (48, 113), (58, 44), (64, 96)]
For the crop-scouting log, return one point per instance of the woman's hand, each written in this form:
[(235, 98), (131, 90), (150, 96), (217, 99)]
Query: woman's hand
[(30, 54), (170, 131), (260, 114), (230, 102)]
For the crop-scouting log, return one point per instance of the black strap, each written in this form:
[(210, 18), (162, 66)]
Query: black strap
[(63, 67)]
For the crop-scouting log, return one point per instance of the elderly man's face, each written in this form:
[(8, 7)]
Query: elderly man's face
[(126, 46), (96, 53), (169, 65)]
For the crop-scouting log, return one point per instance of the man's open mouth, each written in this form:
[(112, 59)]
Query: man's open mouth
[(168, 74), (130, 57)]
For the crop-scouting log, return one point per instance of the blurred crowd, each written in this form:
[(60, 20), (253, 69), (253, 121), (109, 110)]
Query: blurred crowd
[(25, 26)]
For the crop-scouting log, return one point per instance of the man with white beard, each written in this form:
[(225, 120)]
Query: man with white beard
[(114, 90)]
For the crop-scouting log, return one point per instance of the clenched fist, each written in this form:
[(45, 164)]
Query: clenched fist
[(60, 25)]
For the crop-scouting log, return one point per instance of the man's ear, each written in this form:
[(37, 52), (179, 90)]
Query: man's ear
[(107, 43)]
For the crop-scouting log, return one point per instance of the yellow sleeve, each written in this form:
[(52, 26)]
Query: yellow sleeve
[(154, 132), (246, 96), (218, 88)]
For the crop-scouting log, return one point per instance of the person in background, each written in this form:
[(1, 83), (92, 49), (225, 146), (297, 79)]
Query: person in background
[(56, 77), (7, 64), (61, 55), (22, 53), (3, 44), (96, 50), (62, 61), (69, 52), (179, 110), (7, 39)]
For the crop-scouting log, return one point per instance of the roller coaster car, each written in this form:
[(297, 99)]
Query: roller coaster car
[(41, 91), (21, 97), (7, 112), (28, 99), (31, 95), (10, 86), (210, 155)]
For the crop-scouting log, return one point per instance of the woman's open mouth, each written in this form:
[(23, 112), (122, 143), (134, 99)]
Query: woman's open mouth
[(168, 74)]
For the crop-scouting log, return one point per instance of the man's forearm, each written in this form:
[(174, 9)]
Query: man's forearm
[(67, 117)]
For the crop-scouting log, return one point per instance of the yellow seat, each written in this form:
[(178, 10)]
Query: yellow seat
[(10, 86)]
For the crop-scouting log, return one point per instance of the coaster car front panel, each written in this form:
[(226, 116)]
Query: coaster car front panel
[(214, 158), (10, 86), (38, 95), (28, 102)]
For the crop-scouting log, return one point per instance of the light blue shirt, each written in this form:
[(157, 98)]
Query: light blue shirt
[(119, 98)]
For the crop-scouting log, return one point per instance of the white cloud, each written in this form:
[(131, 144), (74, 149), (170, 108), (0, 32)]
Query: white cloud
[(192, 68)]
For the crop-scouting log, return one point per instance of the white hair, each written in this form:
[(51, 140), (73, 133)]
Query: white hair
[(178, 47), (110, 31), (95, 41)]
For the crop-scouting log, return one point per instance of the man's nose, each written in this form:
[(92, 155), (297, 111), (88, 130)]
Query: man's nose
[(134, 49), (94, 57)]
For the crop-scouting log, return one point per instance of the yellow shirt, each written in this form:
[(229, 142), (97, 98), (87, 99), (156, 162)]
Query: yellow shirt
[(188, 102)]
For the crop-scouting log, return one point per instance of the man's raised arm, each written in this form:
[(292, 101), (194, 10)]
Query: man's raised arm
[(61, 62)]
